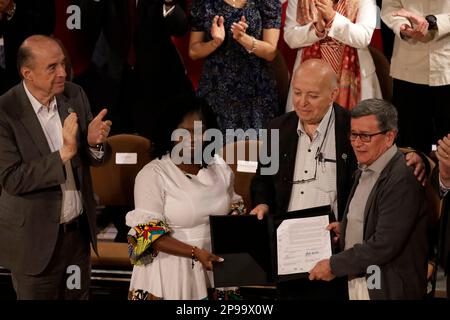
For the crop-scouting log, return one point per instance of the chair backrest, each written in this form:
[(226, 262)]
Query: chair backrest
[(244, 150), (382, 67), (282, 79), (114, 181)]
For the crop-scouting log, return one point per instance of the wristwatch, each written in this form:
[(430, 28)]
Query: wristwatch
[(97, 147), (432, 22)]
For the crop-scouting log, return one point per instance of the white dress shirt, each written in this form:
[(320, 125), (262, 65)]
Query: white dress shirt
[(51, 125), (422, 62), (323, 190)]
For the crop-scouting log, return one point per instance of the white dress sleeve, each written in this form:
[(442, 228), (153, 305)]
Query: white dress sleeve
[(359, 34), (228, 175), (148, 197), (295, 35)]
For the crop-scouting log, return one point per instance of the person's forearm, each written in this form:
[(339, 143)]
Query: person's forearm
[(259, 48), (170, 245), (202, 49)]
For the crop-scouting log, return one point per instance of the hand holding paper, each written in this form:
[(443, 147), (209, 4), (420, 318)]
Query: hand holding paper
[(322, 271)]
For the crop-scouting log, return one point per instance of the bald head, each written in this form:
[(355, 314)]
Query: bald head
[(318, 69), (32, 46), (42, 66), (314, 88)]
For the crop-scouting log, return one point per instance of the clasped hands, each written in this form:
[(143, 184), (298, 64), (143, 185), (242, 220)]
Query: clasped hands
[(418, 27), (98, 131)]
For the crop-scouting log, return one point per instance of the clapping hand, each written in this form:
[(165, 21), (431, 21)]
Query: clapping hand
[(98, 129), (325, 8), (309, 12), (320, 25), (419, 29), (69, 133), (218, 30), (239, 29)]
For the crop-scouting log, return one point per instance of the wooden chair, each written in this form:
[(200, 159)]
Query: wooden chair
[(282, 80), (245, 150), (382, 67), (114, 187)]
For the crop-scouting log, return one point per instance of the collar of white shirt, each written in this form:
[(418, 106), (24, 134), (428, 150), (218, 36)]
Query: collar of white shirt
[(37, 106), (322, 126)]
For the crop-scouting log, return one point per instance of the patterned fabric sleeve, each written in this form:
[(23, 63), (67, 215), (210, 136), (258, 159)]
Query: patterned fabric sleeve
[(198, 13), (141, 238), (270, 14), (147, 220)]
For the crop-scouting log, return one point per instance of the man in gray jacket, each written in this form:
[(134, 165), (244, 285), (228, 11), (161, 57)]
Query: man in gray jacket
[(384, 230), (48, 140)]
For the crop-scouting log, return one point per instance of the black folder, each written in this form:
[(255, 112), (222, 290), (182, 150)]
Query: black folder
[(249, 248)]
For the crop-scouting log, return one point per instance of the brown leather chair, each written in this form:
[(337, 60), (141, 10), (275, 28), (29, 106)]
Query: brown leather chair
[(382, 67), (114, 182), (246, 150), (114, 186), (282, 79)]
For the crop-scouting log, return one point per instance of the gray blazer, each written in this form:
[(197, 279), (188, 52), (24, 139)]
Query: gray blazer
[(395, 239), (30, 175)]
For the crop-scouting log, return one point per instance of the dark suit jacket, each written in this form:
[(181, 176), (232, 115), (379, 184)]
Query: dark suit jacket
[(275, 190), (31, 17), (159, 70), (30, 175), (395, 235)]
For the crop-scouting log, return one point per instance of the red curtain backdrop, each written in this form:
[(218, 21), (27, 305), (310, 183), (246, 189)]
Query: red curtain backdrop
[(75, 41), (80, 49)]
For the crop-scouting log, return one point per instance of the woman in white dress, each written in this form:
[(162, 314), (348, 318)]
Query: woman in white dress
[(338, 31), (169, 241)]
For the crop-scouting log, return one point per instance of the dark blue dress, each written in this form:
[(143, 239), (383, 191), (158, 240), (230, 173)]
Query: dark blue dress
[(240, 87)]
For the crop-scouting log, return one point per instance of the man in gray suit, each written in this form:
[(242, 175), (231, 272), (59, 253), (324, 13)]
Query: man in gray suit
[(48, 140), (383, 233)]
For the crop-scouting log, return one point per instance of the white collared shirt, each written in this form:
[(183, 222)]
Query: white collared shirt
[(423, 62), (323, 190), (52, 127)]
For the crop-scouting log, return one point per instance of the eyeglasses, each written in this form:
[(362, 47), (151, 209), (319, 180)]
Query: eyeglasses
[(309, 179), (364, 137), (319, 158)]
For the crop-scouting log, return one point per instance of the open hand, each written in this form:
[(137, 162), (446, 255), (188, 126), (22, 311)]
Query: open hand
[(218, 30), (239, 29), (69, 134), (98, 129)]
